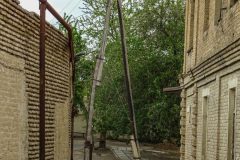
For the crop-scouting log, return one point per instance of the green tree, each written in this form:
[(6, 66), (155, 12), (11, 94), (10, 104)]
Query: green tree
[(155, 31), (83, 63)]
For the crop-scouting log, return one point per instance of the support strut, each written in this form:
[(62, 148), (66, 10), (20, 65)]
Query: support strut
[(96, 82), (42, 79), (135, 145), (44, 5)]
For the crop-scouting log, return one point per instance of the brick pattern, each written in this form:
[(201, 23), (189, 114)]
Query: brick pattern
[(212, 63), (13, 108), (193, 121), (19, 37), (183, 124), (61, 143), (217, 37), (217, 123), (223, 134), (188, 134)]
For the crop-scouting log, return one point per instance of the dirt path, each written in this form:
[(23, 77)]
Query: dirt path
[(148, 152), (97, 155)]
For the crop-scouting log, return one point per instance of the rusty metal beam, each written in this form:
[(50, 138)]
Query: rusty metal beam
[(44, 5), (64, 23), (72, 66), (58, 17)]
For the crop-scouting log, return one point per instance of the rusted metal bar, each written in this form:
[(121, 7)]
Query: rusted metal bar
[(42, 79), (72, 67), (58, 17), (64, 23), (44, 5), (127, 76)]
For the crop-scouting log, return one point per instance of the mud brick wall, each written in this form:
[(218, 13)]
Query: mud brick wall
[(19, 87)]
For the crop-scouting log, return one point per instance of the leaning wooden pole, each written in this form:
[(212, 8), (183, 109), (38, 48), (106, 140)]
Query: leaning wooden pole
[(96, 81), (134, 138)]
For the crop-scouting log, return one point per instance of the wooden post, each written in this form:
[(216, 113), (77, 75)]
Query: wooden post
[(135, 145), (96, 82)]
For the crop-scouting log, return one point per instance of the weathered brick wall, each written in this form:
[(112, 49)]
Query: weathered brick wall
[(219, 35), (19, 87), (188, 134), (61, 144), (13, 108), (210, 66)]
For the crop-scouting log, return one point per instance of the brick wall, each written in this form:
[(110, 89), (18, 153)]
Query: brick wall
[(19, 87), (210, 66), (61, 143), (13, 108), (219, 35), (188, 134)]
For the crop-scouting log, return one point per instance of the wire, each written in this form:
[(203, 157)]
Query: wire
[(70, 2), (75, 7)]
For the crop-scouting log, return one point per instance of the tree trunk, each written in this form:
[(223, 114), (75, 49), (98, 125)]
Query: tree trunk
[(102, 142)]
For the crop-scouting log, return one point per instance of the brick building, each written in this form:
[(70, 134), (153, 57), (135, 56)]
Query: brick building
[(19, 87), (210, 116)]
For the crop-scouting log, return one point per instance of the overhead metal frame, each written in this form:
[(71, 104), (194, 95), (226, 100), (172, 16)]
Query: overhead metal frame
[(44, 5)]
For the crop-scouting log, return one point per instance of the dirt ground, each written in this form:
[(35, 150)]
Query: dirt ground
[(148, 151), (97, 155)]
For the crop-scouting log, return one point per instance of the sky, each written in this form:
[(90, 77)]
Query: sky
[(62, 6)]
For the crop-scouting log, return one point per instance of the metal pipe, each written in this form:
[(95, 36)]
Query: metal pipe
[(42, 80), (72, 67), (44, 5), (58, 17), (127, 73)]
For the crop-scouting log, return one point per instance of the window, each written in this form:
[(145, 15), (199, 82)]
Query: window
[(189, 111), (205, 126), (232, 124), (191, 24), (206, 14), (218, 6)]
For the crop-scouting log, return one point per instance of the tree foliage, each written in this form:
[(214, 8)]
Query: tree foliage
[(83, 63), (155, 43)]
